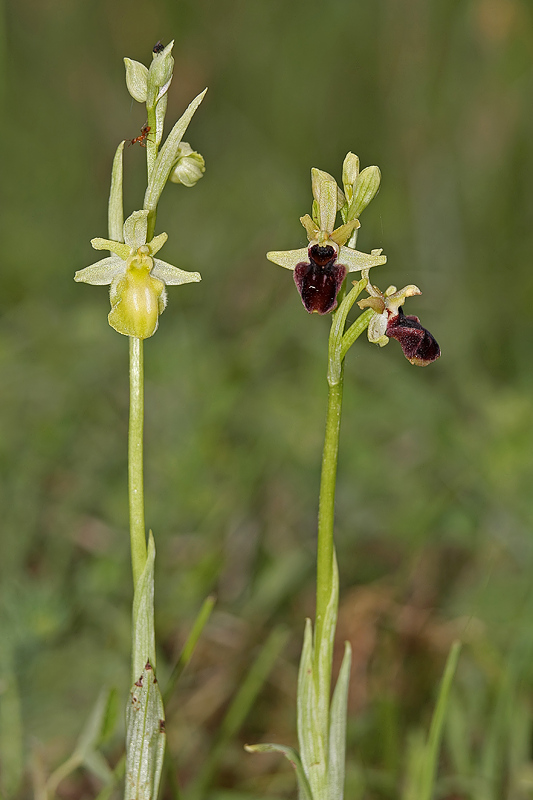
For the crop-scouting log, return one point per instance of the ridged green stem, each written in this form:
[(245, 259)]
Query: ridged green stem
[(326, 509), (135, 459)]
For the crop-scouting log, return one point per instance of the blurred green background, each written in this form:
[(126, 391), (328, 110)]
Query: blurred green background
[(435, 505)]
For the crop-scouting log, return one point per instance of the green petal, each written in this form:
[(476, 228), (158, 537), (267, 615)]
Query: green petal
[(354, 260), (119, 248), (173, 276), (136, 228), (102, 272), (288, 258), (157, 243)]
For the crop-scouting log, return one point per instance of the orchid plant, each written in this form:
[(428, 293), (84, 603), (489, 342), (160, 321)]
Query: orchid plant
[(320, 273), (138, 282)]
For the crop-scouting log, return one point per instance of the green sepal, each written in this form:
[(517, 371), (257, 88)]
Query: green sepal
[(136, 79), (304, 790), (325, 193), (355, 260), (310, 733), (115, 208), (167, 156), (172, 276), (145, 737), (288, 258), (337, 728), (102, 272), (143, 636)]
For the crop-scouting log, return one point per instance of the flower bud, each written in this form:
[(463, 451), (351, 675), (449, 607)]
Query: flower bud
[(365, 188), (136, 79), (160, 75), (189, 166), (350, 172)]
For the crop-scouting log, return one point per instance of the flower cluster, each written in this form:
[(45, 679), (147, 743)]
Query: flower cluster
[(321, 268)]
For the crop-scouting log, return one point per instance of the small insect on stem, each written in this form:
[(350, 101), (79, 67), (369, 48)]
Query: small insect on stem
[(158, 47), (141, 138)]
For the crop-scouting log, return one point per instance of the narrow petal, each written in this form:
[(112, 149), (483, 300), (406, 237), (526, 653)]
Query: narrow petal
[(119, 248), (288, 258), (102, 272), (136, 228), (341, 235), (354, 260), (157, 243), (173, 276)]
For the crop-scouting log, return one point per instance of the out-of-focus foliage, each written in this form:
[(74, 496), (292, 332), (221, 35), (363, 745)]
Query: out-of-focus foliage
[(435, 508)]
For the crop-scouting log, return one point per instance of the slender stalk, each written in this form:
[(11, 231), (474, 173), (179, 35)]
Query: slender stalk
[(135, 459), (326, 509)]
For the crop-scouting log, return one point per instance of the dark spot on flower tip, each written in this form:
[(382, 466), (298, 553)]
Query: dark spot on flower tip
[(418, 344), (319, 280)]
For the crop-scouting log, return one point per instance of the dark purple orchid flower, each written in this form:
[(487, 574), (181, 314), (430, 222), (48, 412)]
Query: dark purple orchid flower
[(320, 279), (418, 344)]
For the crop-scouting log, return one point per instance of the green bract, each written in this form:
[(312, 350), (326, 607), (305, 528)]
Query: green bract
[(137, 279)]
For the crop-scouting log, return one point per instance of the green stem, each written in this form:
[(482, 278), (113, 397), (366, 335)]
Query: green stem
[(135, 459), (326, 509)]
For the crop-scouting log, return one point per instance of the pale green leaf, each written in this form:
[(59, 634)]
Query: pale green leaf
[(167, 156), (337, 728), (325, 653), (310, 736), (145, 737), (143, 615)]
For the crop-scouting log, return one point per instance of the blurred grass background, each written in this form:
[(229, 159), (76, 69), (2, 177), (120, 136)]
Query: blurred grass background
[(435, 508)]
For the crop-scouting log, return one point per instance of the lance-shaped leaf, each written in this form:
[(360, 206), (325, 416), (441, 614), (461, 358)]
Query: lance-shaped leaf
[(310, 735), (304, 790), (337, 728), (325, 651), (143, 615), (167, 156), (145, 738)]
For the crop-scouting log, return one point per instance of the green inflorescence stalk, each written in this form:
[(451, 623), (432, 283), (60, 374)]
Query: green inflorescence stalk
[(135, 459)]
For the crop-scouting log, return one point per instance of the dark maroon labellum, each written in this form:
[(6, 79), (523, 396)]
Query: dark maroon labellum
[(320, 280), (417, 343)]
